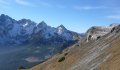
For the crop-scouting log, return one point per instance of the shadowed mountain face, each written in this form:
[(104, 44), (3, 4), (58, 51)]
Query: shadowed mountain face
[(96, 54), (17, 32), (26, 43)]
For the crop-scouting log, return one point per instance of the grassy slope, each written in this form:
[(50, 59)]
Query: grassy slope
[(113, 62), (102, 54)]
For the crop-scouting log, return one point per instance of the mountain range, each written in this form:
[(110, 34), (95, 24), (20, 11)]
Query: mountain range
[(17, 32), (27, 45), (25, 42)]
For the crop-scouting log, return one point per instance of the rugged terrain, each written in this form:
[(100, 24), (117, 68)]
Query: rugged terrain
[(27, 43), (15, 32), (101, 53), (24, 44)]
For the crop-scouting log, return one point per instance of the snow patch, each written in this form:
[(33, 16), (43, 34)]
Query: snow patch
[(24, 25)]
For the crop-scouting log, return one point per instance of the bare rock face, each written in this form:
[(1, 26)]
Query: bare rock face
[(96, 32)]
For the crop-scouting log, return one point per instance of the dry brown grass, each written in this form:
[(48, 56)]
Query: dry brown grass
[(79, 53), (113, 63)]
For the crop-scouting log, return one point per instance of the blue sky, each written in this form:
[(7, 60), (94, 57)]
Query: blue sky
[(75, 15)]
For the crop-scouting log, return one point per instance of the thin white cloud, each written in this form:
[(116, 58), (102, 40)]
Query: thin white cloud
[(24, 2), (89, 7), (114, 17)]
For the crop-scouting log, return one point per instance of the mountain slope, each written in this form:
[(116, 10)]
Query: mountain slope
[(26, 43), (15, 32), (98, 54)]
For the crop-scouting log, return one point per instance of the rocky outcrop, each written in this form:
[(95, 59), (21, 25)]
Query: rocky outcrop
[(96, 32)]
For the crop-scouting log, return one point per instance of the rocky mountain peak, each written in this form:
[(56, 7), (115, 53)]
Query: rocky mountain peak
[(3, 15), (26, 22), (42, 24), (22, 30), (5, 19), (38, 41), (61, 29)]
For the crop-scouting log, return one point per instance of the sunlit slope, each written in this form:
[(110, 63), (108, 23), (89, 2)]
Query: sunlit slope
[(100, 54)]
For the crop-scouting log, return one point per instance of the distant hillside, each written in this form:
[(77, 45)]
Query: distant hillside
[(102, 53)]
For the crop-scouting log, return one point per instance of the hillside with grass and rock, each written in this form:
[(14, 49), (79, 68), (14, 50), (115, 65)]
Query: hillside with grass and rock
[(95, 53)]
